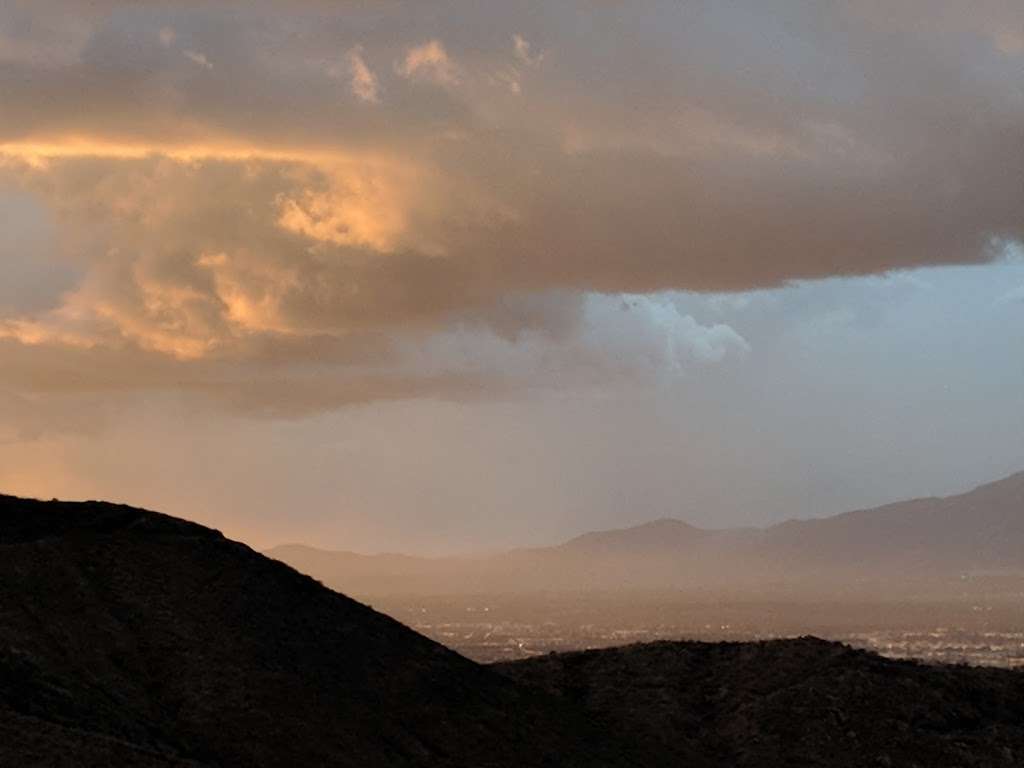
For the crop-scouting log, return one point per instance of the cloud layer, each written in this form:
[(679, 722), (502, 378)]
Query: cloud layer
[(266, 193)]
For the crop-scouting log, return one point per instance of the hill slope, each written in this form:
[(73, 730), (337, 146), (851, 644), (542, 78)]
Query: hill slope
[(803, 702), (132, 638)]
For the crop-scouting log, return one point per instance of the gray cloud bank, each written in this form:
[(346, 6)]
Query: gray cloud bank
[(284, 206)]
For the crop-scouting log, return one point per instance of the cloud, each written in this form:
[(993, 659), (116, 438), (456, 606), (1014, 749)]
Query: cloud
[(650, 332), (522, 49), (509, 78), (193, 257), (429, 61), (255, 219), (353, 208), (363, 81), (45, 40), (197, 58)]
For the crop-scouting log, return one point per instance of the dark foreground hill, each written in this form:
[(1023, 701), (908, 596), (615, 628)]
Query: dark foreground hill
[(129, 638), (132, 638), (801, 702)]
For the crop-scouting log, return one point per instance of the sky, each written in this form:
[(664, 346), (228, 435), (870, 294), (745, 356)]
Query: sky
[(448, 277)]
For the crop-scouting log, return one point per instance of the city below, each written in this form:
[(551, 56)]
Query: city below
[(495, 629)]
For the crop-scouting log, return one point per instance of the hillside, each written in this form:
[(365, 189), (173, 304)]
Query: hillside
[(803, 702), (132, 638)]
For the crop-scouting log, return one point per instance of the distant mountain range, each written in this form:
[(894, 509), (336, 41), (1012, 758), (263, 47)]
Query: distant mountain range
[(928, 547), (137, 640)]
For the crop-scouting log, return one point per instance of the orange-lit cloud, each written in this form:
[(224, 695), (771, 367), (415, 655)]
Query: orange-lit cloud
[(364, 82), (223, 191), (430, 61)]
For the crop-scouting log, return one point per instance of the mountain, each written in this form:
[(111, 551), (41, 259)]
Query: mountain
[(134, 639), (919, 547), (983, 528), (131, 638), (655, 536)]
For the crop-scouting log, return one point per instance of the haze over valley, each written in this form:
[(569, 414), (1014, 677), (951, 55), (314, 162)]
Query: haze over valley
[(971, 543), (934, 578)]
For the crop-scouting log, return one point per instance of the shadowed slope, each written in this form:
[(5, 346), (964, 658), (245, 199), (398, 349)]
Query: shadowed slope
[(803, 702), (131, 638)]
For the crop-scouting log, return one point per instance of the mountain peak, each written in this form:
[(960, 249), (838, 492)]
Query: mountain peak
[(665, 532)]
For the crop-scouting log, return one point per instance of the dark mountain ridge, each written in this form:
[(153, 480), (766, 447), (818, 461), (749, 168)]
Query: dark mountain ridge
[(131, 638)]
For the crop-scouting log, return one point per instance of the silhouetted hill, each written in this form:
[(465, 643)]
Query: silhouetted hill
[(804, 702), (132, 638), (923, 547), (129, 638)]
